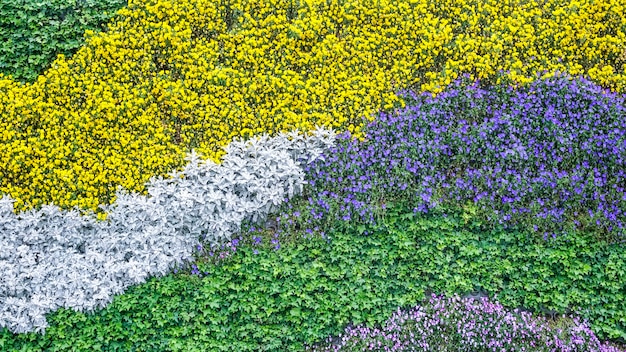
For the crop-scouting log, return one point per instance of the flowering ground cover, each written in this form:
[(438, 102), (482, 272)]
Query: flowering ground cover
[(296, 283), (550, 156), (169, 76), (510, 188), (252, 296), (454, 324)]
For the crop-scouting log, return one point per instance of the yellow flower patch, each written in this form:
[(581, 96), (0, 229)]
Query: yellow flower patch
[(169, 76)]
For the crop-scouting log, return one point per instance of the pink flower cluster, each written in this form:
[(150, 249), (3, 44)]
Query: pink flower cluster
[(466, 324)]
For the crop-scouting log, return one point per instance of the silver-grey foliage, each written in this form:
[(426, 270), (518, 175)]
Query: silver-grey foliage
[(51, 258)]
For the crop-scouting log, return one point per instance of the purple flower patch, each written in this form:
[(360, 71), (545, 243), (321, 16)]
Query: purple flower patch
[(466, 324), (542, 156)]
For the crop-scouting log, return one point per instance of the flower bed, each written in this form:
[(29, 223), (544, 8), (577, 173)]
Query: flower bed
[(171, 76), (446, 187), (455, 324)]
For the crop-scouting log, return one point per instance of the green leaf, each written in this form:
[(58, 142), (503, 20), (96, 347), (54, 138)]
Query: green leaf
[(295, 312)]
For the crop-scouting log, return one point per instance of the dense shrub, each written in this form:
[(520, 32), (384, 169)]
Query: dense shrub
[(550, 157), (169, 76)]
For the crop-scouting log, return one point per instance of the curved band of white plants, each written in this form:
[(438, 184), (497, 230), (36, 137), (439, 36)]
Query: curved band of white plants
[(51, 258)]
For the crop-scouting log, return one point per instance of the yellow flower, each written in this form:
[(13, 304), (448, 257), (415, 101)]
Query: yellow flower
[(173, 75)]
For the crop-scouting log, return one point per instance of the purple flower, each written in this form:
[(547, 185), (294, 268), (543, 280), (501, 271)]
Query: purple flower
[(465, 324), (532, 156)]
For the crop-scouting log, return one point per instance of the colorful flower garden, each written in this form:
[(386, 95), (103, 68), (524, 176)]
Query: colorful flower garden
[(242, 175)]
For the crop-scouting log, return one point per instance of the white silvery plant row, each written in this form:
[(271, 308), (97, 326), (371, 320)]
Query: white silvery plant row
[(52, 258)]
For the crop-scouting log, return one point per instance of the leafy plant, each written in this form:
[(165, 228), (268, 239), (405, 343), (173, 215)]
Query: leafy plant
[(263, 298), (51, 258), (32, 34)]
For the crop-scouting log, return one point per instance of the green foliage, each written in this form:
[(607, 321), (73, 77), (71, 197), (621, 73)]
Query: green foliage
[(312, 288), (33, 33)]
